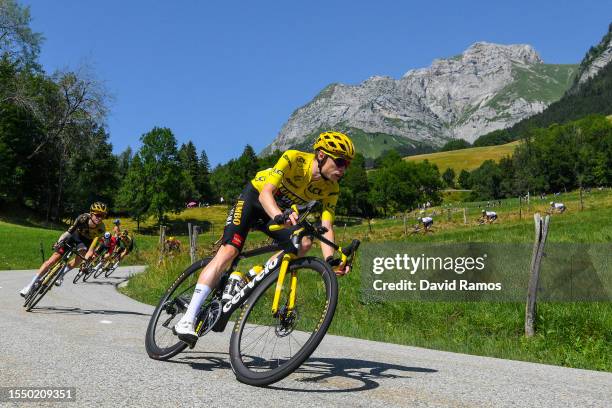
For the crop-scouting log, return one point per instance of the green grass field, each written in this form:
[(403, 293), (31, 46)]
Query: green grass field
[(467, 159), (575, 334)]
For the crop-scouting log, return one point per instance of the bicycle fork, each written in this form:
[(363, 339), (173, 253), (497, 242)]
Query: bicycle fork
[(288, 257)]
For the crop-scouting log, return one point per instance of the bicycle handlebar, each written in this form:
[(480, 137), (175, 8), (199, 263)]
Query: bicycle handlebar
[(302, 211)]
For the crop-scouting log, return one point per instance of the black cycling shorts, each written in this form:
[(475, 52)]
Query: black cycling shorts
[(81, 243), (246, 214)]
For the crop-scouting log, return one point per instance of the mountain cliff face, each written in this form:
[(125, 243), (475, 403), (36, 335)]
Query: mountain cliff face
[(488, 87), (597, 57)]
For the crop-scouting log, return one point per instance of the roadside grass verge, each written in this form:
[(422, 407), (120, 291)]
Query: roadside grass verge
[(20, 246), (577, 334)]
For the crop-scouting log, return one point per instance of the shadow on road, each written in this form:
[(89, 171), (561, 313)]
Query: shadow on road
[(203, 361), (332, 374), (347, 374), (76, 310)]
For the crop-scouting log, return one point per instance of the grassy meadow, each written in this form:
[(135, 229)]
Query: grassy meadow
[(577, 334), (466, 159)]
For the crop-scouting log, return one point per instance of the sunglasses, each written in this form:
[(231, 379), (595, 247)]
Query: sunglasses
[(98, 216), (341, 162)]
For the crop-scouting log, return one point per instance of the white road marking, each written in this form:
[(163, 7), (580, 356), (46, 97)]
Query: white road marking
[(105, 321)]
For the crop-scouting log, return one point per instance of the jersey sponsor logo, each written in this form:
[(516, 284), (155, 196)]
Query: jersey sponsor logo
[(237, 240), (286, 194), (315, 190), (277, 171), (286, 157), (291, 183), (298, 179), (238, 212), (300, 160)]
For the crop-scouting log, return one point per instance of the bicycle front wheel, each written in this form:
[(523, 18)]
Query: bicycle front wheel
[(47, 283), (266, 348)]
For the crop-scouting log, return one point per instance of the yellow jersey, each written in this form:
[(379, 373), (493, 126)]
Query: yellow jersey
[(292, 176)]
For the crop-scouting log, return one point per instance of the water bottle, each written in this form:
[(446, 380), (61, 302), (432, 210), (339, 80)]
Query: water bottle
[(254, 271), (235, 283)]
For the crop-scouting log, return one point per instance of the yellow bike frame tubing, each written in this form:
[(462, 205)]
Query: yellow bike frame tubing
[(279, 283), (52, 272)]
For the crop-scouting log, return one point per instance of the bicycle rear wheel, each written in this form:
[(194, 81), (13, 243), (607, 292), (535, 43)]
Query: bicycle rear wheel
[(265, 348), (160, 341)]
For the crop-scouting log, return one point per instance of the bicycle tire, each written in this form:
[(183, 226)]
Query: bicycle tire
[(77, 276), (154, 350), (98, 270), (112, 269), (243, 363), (30, 296), (88, 272), (43, 289)]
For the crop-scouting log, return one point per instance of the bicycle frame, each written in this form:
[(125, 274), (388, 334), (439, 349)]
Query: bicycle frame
[(285, 257)]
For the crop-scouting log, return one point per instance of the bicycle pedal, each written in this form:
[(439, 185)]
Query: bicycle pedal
[(189, 340)]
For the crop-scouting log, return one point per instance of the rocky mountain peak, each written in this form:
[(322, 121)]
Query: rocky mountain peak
[(487, 87)]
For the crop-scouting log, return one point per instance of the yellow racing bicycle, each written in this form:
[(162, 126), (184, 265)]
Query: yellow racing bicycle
[(278, 325)]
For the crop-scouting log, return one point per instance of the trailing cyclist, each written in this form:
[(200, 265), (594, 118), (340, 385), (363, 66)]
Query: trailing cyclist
[(82, 233), (117, 228), (125, 244), (296, 178)]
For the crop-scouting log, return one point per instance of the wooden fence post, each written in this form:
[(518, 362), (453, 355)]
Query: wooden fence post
[(464, 216), (193, 242), (405, 225), (541, 232), (520, 209), (162, 242)]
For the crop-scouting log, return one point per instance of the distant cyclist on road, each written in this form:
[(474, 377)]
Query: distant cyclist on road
[(559, 207), (82, 233), (296, 178), (489, 216), (427, 222)]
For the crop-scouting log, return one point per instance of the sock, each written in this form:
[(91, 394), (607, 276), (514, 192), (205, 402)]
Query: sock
[(200, 294), (29, 285)]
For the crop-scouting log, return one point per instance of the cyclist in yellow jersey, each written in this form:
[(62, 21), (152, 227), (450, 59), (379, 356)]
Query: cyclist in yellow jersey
[(296, 178)]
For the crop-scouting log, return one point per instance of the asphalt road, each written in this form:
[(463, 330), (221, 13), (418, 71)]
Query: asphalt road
[(91, 337)]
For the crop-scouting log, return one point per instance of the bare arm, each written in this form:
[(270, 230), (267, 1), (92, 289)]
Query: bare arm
[(266, 198)]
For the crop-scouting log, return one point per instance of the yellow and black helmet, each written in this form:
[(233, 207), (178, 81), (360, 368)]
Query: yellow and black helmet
[(335, 144), (98, 208)]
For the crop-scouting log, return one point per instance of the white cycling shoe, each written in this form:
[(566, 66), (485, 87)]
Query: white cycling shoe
[(24, 292), (186, 332)]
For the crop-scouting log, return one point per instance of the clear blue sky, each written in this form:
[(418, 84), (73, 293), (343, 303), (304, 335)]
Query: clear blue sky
[(231, 73)]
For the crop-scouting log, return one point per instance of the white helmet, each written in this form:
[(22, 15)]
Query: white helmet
[(107, 235)]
